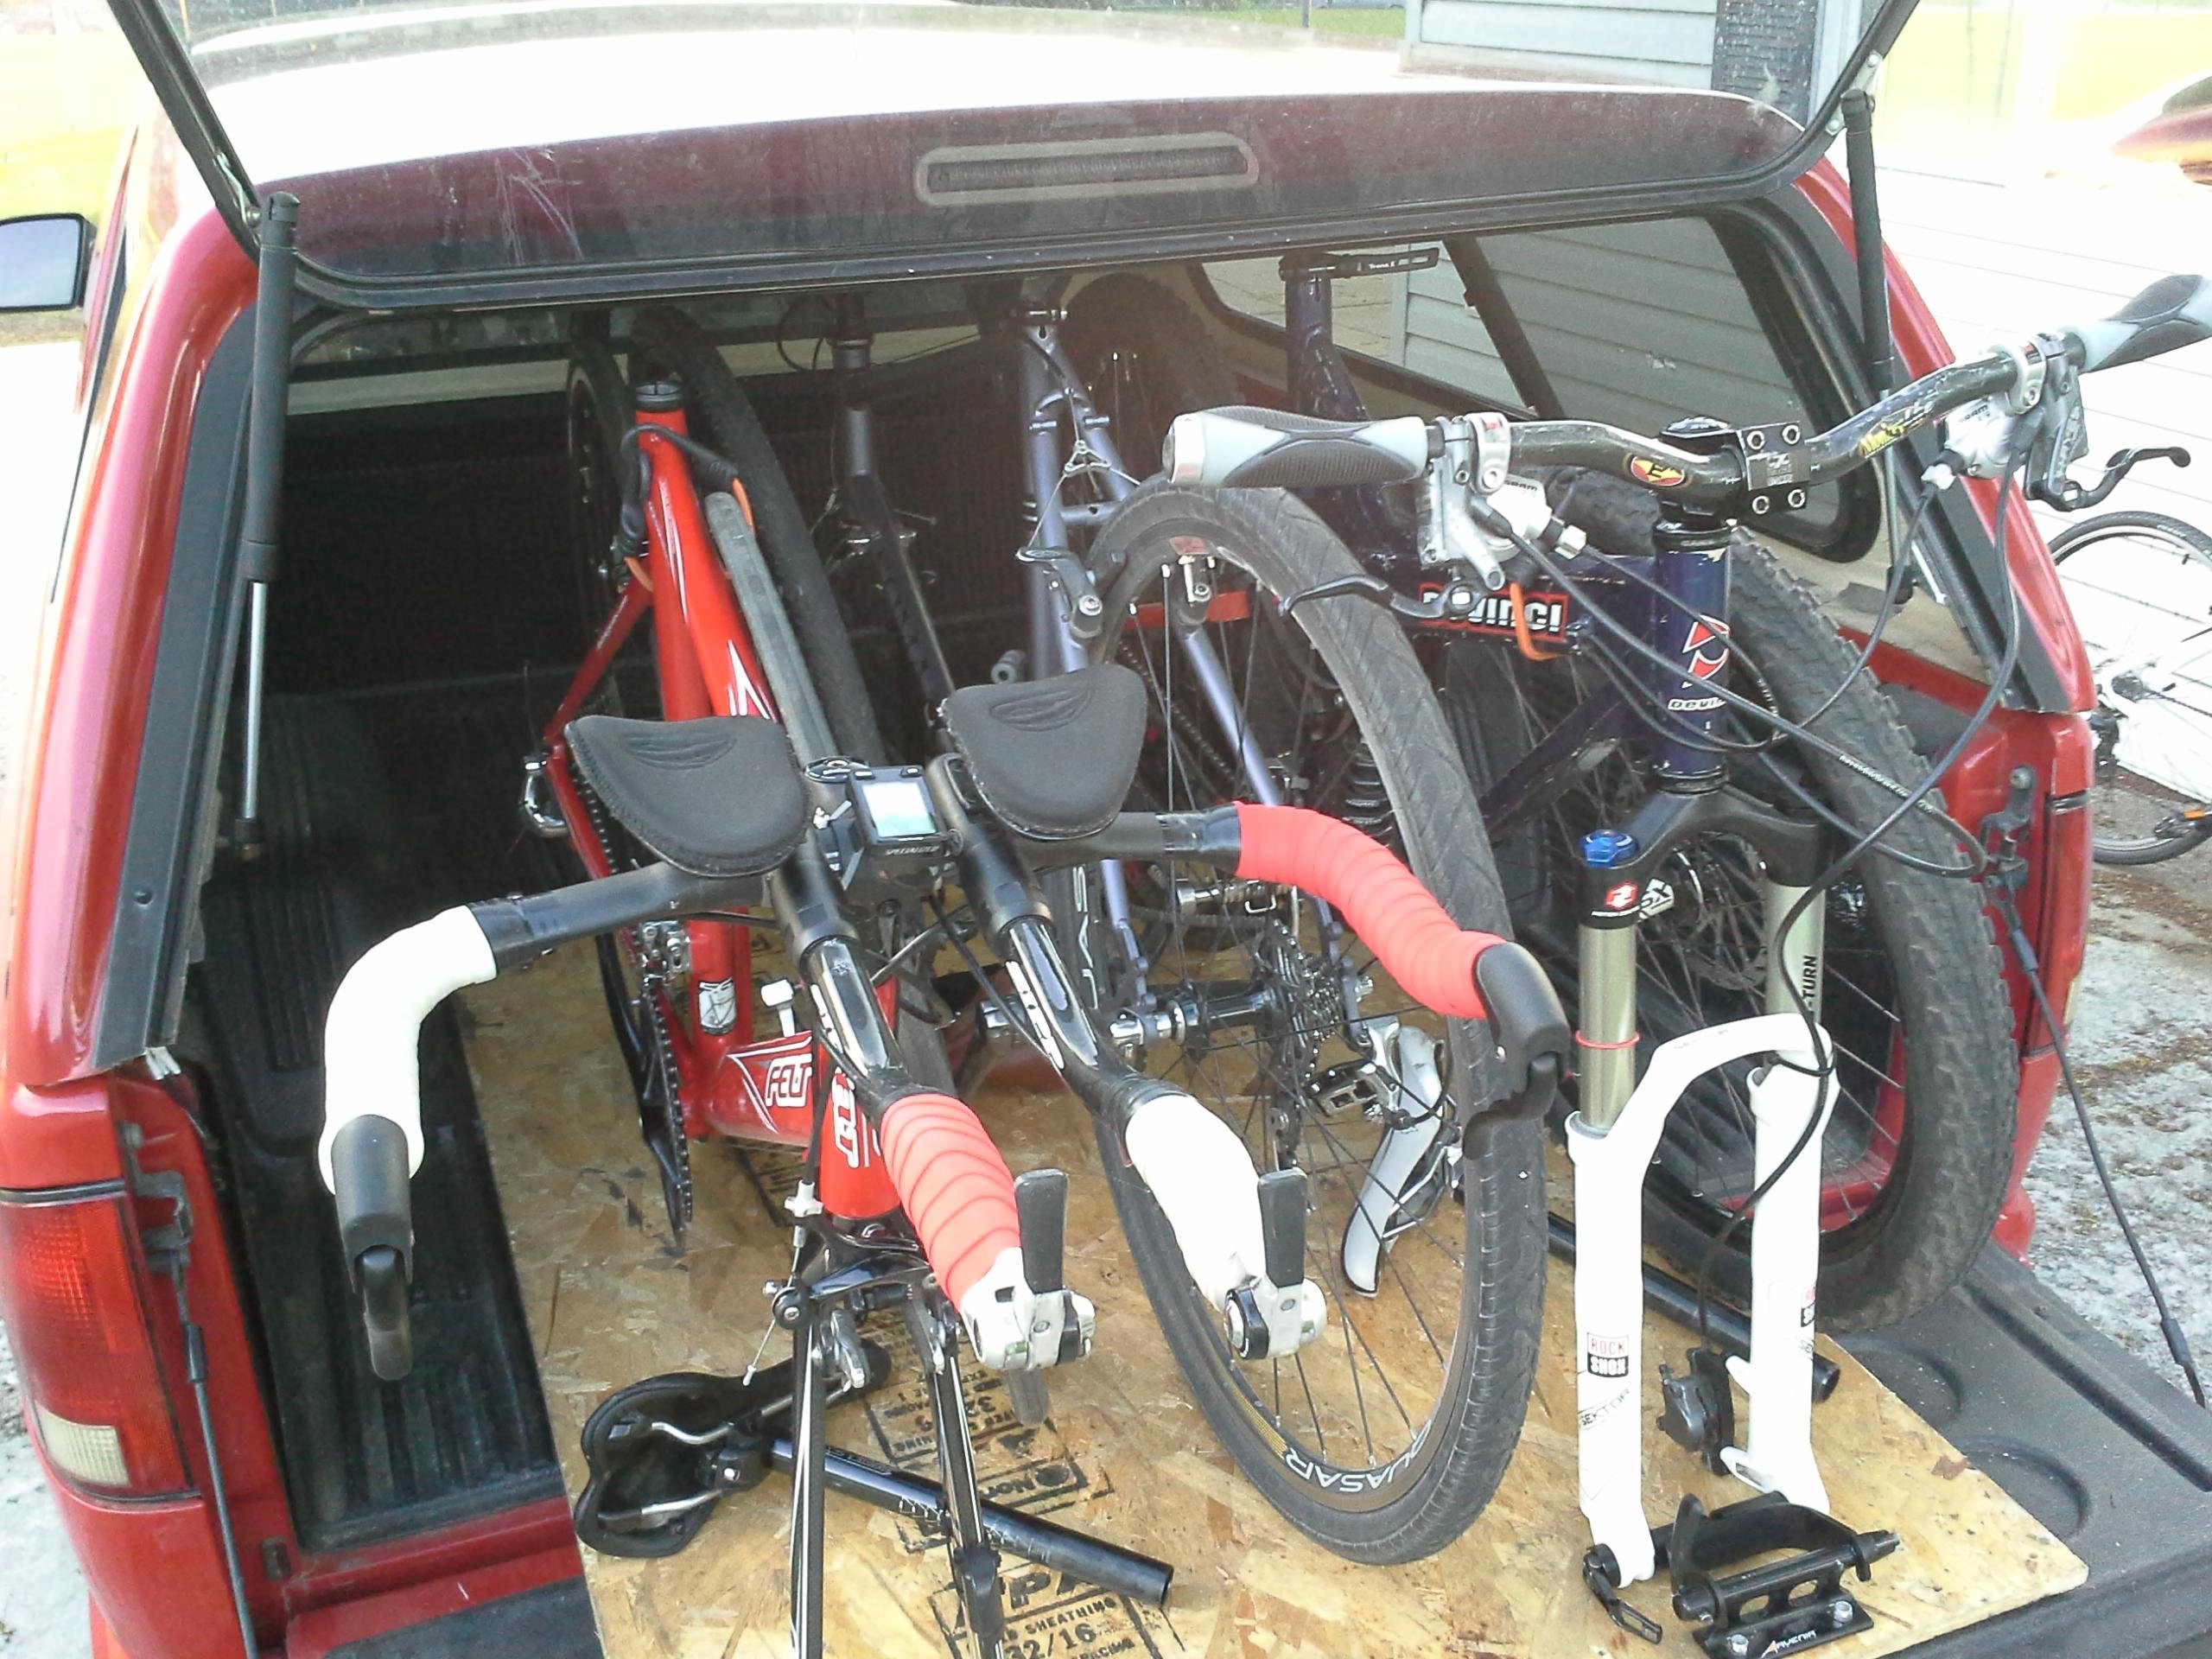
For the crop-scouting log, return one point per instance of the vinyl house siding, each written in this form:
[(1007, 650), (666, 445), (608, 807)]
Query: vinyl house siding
[(1636, 324), (1668, 42)]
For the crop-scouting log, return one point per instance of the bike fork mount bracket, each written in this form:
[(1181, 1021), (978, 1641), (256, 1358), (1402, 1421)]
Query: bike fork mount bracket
[(1761, 1611)]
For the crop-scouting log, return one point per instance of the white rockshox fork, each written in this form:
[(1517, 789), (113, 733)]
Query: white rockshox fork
[(1612, 1141)]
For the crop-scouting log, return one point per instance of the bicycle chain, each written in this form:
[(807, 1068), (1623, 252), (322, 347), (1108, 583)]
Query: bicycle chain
[(660, 1112), (673, 1158)]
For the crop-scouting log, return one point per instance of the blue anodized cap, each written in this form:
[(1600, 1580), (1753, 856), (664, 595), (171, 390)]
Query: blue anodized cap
[(1605, 850)]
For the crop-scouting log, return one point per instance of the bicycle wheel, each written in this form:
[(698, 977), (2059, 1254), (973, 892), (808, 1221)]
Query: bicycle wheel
[(2140, 584), (599, 410), (1384, 1437), (721, 416), (1918, 1150), (1146, 358)]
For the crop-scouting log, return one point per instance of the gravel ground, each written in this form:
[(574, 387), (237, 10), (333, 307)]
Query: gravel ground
[(2142, 1045), (42, 1591)]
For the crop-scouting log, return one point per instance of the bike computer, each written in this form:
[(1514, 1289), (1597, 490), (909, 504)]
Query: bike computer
[(894, 809), (890, 835)]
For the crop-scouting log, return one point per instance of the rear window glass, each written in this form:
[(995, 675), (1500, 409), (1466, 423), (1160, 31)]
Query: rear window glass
[(1634, 325)]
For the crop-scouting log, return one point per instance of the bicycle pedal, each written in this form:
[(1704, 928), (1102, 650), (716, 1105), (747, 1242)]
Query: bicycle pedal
[(1351, 1086), (661, 1454)]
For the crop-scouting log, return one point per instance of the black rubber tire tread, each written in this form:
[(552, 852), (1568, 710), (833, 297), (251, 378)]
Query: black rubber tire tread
[(1961, 1062), (592, 364), (1127, 312), (2131, 855), (1493, 1367), (667, 337)]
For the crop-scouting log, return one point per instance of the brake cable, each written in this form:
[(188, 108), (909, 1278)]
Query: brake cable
[(2169, 1326), (1492, 520), (1999, 678)]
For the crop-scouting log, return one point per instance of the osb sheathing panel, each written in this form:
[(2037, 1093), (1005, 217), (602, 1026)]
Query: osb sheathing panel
[(1125, 1454)]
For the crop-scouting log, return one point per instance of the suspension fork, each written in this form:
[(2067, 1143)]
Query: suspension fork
[(1616, 887)]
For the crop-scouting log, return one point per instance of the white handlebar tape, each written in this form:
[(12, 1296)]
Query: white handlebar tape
[(370, 1043)]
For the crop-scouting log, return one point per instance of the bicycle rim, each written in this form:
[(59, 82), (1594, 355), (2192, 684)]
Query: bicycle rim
[(2140, 586)]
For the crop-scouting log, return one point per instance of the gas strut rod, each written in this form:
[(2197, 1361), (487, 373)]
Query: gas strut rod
[(1867, 240), (265, 479)]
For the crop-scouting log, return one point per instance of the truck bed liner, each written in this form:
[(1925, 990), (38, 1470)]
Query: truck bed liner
[(2089, 1440), (466, 1434)]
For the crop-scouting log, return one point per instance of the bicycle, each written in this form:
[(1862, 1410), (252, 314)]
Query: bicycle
[(1631, 544), (1264, 1007), (2143, 604)]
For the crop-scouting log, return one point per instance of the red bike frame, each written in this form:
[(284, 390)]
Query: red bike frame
[(705, 662)]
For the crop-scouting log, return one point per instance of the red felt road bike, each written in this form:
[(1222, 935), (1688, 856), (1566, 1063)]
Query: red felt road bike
[(742, 806)]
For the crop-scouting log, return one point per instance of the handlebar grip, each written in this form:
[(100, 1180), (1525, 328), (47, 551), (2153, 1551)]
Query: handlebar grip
[(1244, 447), (1431, 957), (954, 1186), (376, 1229), (2173, 312)]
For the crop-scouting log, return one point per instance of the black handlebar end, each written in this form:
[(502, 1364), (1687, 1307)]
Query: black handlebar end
[(1530, 1025), (2173, 312), (368, 1177)]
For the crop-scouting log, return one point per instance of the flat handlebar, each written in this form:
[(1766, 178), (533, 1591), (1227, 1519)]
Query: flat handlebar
[(1249, 448)]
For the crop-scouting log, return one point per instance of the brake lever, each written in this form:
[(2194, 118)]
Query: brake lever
[(1454, 602), (2069, 497)]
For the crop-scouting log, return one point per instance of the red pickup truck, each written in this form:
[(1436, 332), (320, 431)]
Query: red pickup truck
[(168, 1269)]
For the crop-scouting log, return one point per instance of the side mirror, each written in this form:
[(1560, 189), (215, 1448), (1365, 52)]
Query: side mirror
[(43, 260)]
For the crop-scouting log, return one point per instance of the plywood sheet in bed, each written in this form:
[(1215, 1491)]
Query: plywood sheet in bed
[(1125, 1454)]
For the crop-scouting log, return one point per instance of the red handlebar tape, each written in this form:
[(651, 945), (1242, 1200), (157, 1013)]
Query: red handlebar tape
[(1431, 956), (954, 1186)]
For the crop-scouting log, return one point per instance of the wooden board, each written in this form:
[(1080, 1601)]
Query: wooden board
[(1125, 1454)]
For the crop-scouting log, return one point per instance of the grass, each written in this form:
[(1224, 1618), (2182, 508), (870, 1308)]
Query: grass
[(1385, 22)]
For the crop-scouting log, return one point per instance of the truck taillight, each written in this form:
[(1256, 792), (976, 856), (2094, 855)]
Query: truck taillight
[(92, 1392)]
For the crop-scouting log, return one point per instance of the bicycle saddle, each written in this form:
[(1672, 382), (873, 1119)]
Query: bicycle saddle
[(1053, 759), (721, 796)]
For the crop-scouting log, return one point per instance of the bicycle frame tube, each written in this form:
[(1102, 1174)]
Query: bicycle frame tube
[(705, 663), (1320, 383), (1691, 565)]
